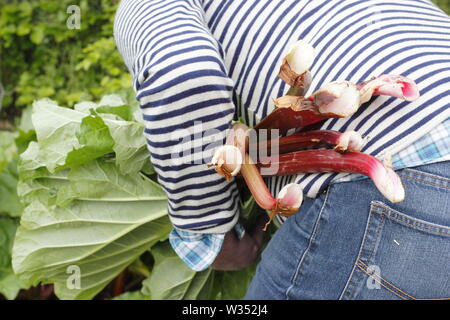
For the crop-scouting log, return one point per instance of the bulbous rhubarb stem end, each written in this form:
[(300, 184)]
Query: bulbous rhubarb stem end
[(337, 99), (295, 68), (289, 200), (350, 141), (228, 161), (300, 56), (388, 183)]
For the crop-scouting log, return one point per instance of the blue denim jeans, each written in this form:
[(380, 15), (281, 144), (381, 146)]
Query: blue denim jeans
[(351, 243)]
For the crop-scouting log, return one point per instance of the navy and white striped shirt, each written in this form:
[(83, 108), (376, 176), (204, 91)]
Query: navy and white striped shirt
[(199, 64)]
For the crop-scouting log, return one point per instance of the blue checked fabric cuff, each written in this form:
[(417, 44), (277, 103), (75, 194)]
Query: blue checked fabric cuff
[(197, 250)]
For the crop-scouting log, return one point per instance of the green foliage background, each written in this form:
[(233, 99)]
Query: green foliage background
[(41, 58)]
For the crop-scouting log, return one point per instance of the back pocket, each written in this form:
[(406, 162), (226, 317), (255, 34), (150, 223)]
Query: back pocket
[(401, 257)]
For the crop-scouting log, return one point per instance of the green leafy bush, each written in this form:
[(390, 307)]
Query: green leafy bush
[(42, 57)]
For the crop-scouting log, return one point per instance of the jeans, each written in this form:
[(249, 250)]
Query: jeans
[(351, 243)]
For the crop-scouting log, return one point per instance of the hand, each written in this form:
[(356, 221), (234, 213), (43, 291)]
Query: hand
[(239, 254)]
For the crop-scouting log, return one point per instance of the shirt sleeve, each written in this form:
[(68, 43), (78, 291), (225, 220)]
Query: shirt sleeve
[(185, 96)]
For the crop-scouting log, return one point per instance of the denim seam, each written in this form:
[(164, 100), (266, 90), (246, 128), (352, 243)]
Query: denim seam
[(411, 222), (390, 284), (424, 181), (311, 239), (380, 281), (428, 175), (362, 248), (393, 286), (377, 232)]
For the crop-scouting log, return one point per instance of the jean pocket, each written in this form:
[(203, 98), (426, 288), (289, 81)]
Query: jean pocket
[(401, 257)]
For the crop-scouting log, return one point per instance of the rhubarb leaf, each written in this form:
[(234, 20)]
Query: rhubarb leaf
[(129, 145), (55, 129), (9, 283), (89, 222), (8, 149), (94, 139), (9, 200), (69, 137), (235, 283), (181, 283), (131, 295)]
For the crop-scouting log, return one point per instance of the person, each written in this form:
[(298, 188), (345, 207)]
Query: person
[(197, 65)]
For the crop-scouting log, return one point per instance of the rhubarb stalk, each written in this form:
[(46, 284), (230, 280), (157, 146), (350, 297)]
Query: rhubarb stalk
[(292, 116), (347, 141), (389, 85), (286, 204), (289, 198), (313, 161)]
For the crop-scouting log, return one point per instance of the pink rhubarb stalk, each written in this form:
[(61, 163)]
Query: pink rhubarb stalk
[(389, 85), (286, 204), (313, 161), (347, 141), (291, 112), (235, 151)]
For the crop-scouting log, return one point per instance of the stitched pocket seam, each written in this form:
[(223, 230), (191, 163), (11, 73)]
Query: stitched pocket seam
[(428, 175), (386, 284), (411, 222), (424, 181)]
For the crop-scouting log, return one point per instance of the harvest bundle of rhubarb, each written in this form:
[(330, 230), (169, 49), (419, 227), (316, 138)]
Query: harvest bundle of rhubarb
[(309, 151)]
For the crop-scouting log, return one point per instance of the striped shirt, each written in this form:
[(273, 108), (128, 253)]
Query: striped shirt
[(199, 64)]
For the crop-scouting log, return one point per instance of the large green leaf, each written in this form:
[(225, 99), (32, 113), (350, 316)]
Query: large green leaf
[(95, 141), (69, 137), (234, 284), (171, 279), (9, 200), (9, 283), (92, 217), (131, 295), (55, 129), (8, 150)]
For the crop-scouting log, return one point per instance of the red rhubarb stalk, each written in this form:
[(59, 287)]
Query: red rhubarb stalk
[(313, 161), (342, 99), (298, 114), (389, 85), (286, 204), (347, 141), (256, 185), (289, 198)]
